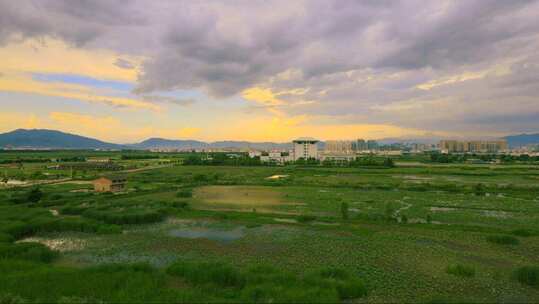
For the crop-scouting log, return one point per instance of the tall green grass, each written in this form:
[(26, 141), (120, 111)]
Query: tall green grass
[(266, 284), (502, 239), (139, 283), (528, 275), (461, 270), (27, 251)]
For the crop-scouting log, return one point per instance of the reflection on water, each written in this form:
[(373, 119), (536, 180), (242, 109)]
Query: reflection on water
[(209, 233)]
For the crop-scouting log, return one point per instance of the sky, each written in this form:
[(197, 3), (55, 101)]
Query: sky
[(127, 70)]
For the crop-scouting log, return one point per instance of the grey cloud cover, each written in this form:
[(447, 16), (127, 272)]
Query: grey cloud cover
[(124, 64), (358, 61)]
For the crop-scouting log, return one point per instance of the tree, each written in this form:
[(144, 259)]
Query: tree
[(344, 210), (479, 189), (388, 163), (404, 219), (34, 195), (389, 211), (201, 178)]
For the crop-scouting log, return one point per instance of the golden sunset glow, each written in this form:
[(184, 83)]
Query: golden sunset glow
[(55, 56)]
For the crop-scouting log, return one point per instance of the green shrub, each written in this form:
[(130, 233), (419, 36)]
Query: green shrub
[(139, 283), (347, 285), (72, 209), (344, 210), (27, 251), (263, 274), (461, 270), (307, 294), (502, 239), (109, 229), (305, 218), (404, 219), (63, 224), (56, 197), (5, 238), (201, 178), (123, 217), (34, 195), (479, 189), (208, 272), (528, 275), (352, 288), (180, 204), (522, 232), (16, 229), (184, 193)]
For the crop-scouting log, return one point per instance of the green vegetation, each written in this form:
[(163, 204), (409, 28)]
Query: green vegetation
[(267, 284), (528, 275), (415, 230), (461, 270), (503, 239)]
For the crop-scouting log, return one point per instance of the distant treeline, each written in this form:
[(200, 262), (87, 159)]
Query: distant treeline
[(135, 156), (222, 159), (460, 158), (42, 160)]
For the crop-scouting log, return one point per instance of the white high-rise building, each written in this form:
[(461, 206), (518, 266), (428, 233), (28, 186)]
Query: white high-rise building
[(339, 146), (305, 147)]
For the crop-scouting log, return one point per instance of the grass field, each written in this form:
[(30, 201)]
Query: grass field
[(241, 198), (452, 233)]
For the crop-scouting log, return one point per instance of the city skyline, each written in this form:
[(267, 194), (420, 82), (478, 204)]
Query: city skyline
[(125, 71)]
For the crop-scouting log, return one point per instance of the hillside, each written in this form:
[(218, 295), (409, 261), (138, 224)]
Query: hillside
[(162, 143), (51, 139)]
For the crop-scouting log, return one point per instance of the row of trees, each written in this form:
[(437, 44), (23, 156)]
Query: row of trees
[(460, 158), (219, 159)]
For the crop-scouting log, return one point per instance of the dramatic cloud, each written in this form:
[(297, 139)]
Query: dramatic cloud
[(167, 99), (453, 66)]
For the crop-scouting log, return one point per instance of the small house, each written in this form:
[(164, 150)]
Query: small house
[(110, 184)]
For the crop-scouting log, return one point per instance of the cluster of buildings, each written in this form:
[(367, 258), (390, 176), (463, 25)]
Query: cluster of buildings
[(348, 150), (302, 148), (310, 148), (474, 146)]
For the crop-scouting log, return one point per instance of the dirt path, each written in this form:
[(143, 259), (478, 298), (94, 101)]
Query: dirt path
[(145, 168), (41, 182)]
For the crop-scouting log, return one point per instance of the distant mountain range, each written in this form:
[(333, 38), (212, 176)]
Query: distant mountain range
[(51, 139), (161, 143)]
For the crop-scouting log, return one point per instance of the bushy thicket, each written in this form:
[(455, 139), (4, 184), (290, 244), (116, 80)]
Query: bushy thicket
[(305, 218), (26, 281), (503, 239), (184, 193), (461, 270), (528, 275), (266, 284), (208, 272), (522, 232), (73, 209), (122, 217), (347, 285), (27, 251)]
